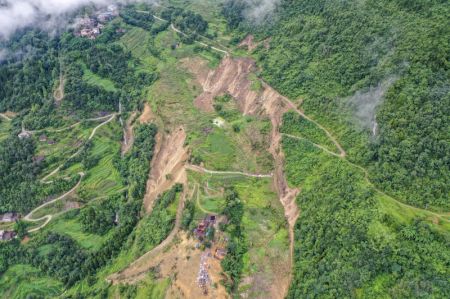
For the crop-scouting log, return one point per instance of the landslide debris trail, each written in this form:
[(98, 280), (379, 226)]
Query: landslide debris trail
[(5, 117), (167, 168), (58, 94), (167, 165), (232, 77)]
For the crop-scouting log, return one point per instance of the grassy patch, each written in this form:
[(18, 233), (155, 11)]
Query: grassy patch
[(102, 179), (5, 126), (72, 227), (95, 79), (23, 281)]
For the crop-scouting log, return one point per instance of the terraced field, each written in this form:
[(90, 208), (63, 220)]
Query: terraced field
[(24, 281)]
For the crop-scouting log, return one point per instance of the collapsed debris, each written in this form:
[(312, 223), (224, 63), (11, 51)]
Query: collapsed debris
[(203, 278)]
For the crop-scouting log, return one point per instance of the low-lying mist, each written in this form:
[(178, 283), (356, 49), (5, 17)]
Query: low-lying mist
[(364, 103), (45, 14)]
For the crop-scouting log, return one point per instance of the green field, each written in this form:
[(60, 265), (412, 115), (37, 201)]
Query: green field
[(69, 225), (264, 224), (96, 80), (5, 126), (103, 179), (24, 281)]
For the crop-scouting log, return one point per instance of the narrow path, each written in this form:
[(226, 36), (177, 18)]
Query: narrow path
[(199, 204), (172, 26), (56, 170), (369, 182), (315, 144), (302, 114), (204, 170), (69, 127), (5, 117), (100, 125), (144, 259), (29, 216)]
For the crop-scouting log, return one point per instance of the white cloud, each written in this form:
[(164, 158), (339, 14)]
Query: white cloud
[(260, 10), (17, 14)]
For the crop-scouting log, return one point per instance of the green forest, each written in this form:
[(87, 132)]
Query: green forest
[(331, 56), (361, 144)]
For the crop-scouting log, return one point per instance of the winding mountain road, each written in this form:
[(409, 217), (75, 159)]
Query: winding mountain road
[(444, 216), (172, 26), (29, 216), (302, 114), (57, 169)]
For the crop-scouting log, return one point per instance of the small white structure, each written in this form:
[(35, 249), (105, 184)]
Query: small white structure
[(219, 122)]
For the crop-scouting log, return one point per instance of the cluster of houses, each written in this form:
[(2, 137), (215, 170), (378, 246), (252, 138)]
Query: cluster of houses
[(90, 27), (204, 227), (202, 233), (44, 138)]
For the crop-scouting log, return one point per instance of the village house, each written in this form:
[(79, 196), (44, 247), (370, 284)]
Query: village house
[(9, 217), (43, 138), (38, 159), (24, 135), (220, 253), (202, 228), (7, 235)]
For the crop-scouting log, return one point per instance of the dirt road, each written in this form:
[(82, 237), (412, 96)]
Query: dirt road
[(204, 170), (29, 216), (56, 170), (139, 268)]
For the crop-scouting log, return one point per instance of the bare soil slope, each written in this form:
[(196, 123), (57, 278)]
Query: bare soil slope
[(167, 166)]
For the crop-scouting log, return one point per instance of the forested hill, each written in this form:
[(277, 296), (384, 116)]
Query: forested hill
[(385, 61)]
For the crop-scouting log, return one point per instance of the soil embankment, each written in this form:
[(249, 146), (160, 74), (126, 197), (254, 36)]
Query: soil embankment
[(167, 166), (128, 136)]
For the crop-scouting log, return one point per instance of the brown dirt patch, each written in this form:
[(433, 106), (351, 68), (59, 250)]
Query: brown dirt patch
[(167, 166), (249, 43), (199, 69), (128, 136), (181, 263), (10, 114), (25, 240), (147, 115)]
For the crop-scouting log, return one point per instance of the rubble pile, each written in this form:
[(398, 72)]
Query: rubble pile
[(203, 278)]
